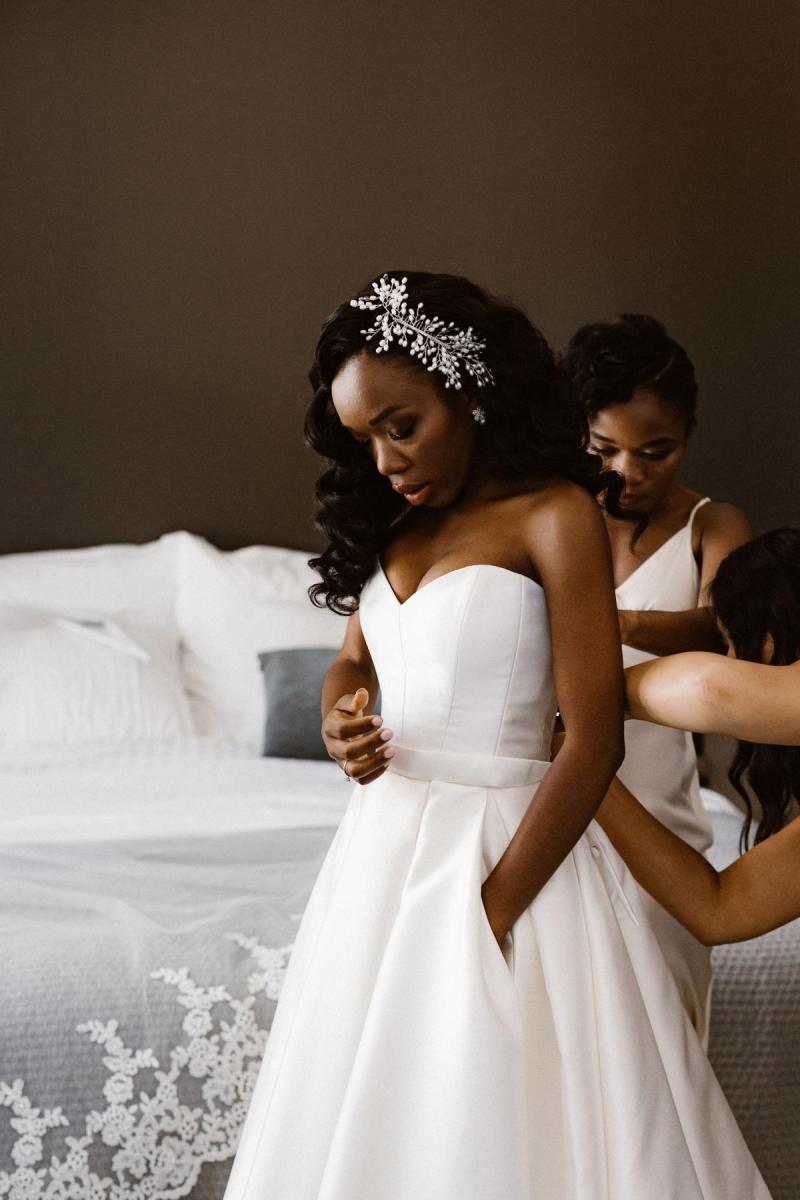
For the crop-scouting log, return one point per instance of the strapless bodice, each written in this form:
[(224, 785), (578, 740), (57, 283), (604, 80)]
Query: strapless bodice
[(464, 663)]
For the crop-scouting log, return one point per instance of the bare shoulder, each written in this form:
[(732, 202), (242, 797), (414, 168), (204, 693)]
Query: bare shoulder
[(560, 508), (560, 499), (720, 519), (562, 520)]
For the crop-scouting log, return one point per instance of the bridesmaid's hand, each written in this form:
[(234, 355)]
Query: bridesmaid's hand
[(357, 742)]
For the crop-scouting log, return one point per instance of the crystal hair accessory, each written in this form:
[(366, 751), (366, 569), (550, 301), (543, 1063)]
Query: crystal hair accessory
[(440, 345)]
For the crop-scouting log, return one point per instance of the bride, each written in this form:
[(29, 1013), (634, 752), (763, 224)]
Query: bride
[(475, 1008)]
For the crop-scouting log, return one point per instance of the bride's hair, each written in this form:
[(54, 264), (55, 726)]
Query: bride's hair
[(756, 594), (532, 425)]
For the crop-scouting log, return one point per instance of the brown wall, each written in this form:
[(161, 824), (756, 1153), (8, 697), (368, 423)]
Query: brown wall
[(191, 186)]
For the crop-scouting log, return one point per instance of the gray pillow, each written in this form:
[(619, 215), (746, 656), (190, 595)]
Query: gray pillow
[(293, 680)]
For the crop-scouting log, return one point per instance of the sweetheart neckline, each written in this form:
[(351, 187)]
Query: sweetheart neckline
[(446, 575)]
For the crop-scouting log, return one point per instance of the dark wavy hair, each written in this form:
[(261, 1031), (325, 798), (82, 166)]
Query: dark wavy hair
[(532, 426), (756, 592), (607, 361)]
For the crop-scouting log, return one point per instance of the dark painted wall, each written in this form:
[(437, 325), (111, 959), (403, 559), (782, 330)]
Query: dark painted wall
[(189, 187)]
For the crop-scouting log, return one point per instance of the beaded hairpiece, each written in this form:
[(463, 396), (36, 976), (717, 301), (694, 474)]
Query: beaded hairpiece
[(440, 346)]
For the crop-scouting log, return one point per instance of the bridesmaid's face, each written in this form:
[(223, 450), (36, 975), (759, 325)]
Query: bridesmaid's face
[(645, 440), (417, 438)]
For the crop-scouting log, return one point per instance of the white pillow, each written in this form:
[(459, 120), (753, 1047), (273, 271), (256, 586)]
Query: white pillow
[(230, 607), (123, 580), (67, 683)]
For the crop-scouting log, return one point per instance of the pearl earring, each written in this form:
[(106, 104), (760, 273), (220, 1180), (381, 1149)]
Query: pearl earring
[(479, 414)]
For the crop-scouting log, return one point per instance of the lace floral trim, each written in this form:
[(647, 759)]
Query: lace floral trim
[(152, 1128)]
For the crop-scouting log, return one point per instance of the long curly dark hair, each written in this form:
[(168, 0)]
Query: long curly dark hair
[(756, 592), (532, 426), (608, 360)]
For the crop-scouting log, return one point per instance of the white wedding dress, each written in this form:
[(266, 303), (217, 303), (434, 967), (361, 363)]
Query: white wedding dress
[(412, 1059)]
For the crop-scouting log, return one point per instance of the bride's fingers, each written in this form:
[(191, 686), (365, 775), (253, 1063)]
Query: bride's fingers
[(361, 769), (365, 779), (337, 725), (357, 747), (337, 734)]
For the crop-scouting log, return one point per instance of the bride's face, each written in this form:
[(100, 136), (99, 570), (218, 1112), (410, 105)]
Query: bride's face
[(422, 442)]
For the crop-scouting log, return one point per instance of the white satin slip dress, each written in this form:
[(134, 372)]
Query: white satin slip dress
[(660, 766), (410, 1057)]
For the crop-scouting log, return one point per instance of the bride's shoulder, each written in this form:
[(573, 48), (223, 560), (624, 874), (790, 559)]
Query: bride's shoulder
[(560, 503), (563, 530)]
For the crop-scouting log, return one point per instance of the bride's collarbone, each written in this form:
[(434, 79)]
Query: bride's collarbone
[(408, 569), (436, 543)]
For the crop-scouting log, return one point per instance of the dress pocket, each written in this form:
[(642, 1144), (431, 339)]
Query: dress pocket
[(503, 955)]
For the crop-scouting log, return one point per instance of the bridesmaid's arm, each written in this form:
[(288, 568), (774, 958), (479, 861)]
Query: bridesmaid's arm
[(669, 632), (569, 550), (707, 693), (722, 528), (758, 892)]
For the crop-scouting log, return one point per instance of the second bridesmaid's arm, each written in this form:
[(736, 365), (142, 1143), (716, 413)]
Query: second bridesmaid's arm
[(758, 892), (722, 528), (707, 693)]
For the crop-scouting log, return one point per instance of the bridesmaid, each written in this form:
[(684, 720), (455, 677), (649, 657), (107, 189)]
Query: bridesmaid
[(638, 389), (753, 695)]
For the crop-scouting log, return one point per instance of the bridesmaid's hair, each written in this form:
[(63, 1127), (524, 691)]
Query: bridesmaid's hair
[(532, 425), (756, 593), (607, 361)]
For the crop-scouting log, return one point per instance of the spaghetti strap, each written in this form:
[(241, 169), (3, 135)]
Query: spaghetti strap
[(700, 503)]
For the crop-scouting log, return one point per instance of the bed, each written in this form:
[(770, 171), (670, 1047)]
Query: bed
[(149, 901), (154, 860), (155, 863)]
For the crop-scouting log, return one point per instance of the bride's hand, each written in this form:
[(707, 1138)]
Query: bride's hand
[(355, 740)]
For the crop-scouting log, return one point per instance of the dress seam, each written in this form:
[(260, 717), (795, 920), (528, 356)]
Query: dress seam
[(511, 673), (399, 618), (454, 688), (594, 1023)]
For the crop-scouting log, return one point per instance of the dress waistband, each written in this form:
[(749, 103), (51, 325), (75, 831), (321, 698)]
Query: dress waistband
[(477, 770)]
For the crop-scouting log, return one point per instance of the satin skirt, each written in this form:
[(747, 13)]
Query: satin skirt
[(413, 1058)]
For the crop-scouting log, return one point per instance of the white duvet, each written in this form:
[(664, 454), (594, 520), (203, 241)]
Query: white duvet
[(191, 786), (149, 896)]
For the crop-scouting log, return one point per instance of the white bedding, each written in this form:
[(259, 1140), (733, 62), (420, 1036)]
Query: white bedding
[(149, 890), (185, 787), (149, 896)]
